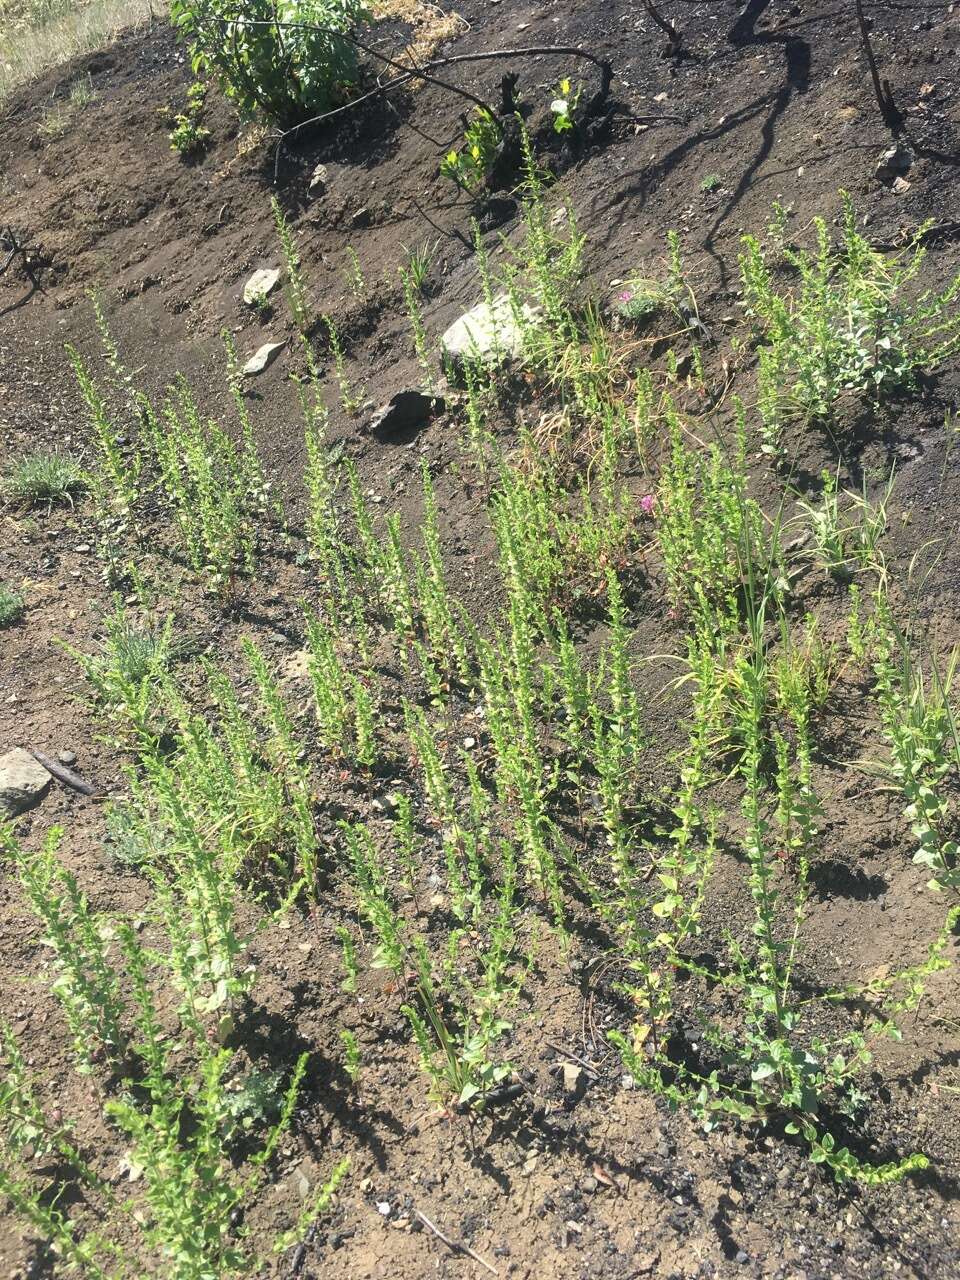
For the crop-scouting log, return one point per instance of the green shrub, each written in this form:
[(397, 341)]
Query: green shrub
[(44, 476), (188, 135), (11, 606), (852, 325), (284, 72)]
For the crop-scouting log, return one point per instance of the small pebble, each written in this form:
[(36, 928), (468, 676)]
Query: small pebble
[(67, 757)]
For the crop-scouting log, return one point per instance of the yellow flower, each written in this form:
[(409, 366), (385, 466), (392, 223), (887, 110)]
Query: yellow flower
[(565, 88), (451, 157), (475, 152)]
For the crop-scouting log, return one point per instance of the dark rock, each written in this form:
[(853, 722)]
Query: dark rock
[(408, 410)]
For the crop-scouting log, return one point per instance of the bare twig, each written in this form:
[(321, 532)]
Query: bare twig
[(669, 30), (8, 237), (881, 88), (456, 1245), (408, 73), (574, 1057), (63, 774)]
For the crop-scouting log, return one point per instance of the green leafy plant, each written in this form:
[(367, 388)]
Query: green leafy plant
[(188, 135), (468, 166), (564, 104), (288, 60), (296, 286)]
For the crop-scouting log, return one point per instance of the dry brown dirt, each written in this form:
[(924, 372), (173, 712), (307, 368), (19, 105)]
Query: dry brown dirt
[(777, 103)]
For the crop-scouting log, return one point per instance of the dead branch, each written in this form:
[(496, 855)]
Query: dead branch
[(63, 774), (670, 31), (456, 1245), (881, 88)]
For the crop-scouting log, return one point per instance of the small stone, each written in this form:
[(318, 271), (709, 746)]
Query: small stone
[(260, 285), (589, 1184), (318, 180), (67, 757), (23, 782), (83, 549), (900, 186), (383, 1208), (572, 1075), (469, 743), (742, 1257), (627, 1082), (262, 357)]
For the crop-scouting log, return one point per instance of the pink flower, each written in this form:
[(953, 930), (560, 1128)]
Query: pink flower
[(625, 296), (646, 503)]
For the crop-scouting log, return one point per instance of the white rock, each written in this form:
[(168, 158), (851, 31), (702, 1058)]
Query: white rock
[(572, 1075), (23, 782), (318, 180), (491, 333), (262, 357), (260, 285)]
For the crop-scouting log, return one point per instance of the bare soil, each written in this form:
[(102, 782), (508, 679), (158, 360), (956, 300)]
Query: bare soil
[(776, 102)]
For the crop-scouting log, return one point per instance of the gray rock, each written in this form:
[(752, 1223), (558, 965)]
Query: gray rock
[(23, 782), (318, 180), (260, 285), (67, 757), (894, 162), (490, 334), (262, 357), (403, 412)]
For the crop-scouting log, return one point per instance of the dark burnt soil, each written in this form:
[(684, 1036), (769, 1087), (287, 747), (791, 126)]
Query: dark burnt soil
[(775, 102)]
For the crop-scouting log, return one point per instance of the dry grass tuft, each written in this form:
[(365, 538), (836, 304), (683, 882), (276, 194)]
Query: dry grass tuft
[(431, 26), (38, 34)]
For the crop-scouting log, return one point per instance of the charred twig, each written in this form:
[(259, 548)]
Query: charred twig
[(881, 88), (8, 237), (63, 774), (674, 37), (574, 1057), (456, 1245), (407, 74)]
